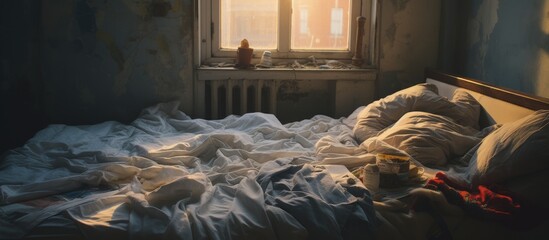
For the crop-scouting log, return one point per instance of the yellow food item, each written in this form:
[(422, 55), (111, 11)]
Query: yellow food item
[(392, 157)]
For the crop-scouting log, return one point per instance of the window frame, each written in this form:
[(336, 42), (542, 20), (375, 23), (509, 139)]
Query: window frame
[(209, 29)]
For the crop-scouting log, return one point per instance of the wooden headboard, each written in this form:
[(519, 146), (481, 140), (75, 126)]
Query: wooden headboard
[(500, 105)]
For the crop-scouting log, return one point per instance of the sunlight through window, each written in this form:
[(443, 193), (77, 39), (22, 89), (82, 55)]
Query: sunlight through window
[(326, 24), (255, 20)]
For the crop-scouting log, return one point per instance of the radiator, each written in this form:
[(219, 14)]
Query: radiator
[(226, 97)]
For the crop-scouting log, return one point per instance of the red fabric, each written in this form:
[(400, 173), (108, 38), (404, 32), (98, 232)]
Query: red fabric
[(482, 202)]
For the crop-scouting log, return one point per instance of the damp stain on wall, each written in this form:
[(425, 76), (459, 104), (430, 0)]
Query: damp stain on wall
[(301, 99), (110, 59), (289, 90), (409, 43), (390, 34), (159, 8), (139, 8), (122, 78), (164, 54), (480, 28), (505, 44), (400, 4), (114, 51)]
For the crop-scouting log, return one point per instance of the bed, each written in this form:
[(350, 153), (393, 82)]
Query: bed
[(167, 175)]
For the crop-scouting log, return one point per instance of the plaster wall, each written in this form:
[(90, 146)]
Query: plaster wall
[(106, 60), (409, 40), (87, 61), (505, 43)]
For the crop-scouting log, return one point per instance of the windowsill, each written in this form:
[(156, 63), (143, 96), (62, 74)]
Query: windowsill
[(205, 73)]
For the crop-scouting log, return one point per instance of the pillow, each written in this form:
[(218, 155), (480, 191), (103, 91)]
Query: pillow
[(429, 138), (467, 110), (424, 97), (515, 149)]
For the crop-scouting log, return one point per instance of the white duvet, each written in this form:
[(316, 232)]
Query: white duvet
[(167, 175)]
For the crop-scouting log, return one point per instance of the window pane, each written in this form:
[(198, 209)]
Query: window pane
[(255, 20), (320, 25)]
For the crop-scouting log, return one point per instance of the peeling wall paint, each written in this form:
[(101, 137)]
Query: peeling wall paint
[(88, 61), (409, 42), (302, 99), (480, 28), (290, 90), (98, 60), (482, 24), (505, 43), (106, 60), (400, 4)]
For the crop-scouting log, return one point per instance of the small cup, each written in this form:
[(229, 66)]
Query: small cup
[(266, 60), (393, 169)]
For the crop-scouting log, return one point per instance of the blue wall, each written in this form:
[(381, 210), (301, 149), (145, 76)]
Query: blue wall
[(505, 43)]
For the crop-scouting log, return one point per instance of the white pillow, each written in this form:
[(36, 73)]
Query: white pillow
[(424, 97), (467, 110), (430, 138), (515, 149)]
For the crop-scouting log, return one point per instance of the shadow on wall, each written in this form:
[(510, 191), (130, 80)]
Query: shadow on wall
[(21, 108), (83, 62), (506, 43)]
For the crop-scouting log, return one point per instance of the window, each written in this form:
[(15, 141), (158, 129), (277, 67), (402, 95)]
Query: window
[(304, 21), (255, 20), (290, 29)]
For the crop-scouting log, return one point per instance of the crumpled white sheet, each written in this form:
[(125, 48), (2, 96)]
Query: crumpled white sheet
[(179, 178)]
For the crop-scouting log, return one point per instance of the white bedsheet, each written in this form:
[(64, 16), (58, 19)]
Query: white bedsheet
[(179, 178)]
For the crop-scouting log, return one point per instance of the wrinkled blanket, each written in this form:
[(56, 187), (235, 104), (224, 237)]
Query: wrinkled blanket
[(167, 175)]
